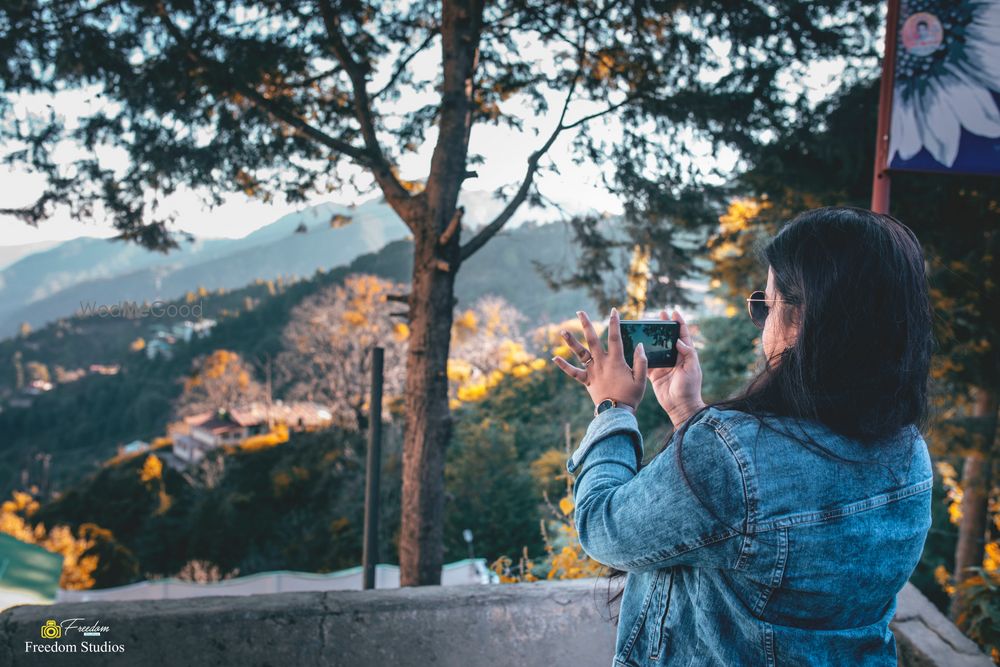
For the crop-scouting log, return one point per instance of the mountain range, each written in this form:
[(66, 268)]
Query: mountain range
[(56, 282)]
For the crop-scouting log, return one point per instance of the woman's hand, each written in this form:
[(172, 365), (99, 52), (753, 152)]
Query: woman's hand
[(605, 374), (678, 389)]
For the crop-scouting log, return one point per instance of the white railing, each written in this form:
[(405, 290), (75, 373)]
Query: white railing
[(469, 571)]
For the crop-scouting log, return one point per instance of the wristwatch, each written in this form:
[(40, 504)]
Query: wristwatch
[(610, 403)]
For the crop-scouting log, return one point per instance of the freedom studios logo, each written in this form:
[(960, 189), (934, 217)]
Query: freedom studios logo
[(73, 635)]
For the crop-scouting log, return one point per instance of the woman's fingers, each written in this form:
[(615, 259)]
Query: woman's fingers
[(615, 335), (569, 369), (593, 340), (685, 334), (685, 353), (578, 349)]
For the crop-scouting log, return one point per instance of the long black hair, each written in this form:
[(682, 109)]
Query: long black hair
[(854, 284)]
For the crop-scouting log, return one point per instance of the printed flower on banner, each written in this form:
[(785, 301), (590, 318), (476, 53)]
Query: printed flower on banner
[(947, 62)]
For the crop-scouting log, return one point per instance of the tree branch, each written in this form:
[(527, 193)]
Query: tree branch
[(609, 109), (456, 220), (401, 66), (487, 232), (397, 195), (284, 115)]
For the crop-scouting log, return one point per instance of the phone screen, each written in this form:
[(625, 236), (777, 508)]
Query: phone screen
[(658, 338)]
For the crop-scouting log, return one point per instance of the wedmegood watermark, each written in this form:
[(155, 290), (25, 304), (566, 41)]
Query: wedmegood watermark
[(132, 310)]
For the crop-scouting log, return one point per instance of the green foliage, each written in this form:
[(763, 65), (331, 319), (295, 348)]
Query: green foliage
[(116, 499), (980, 617), (81, 423), (732, 347), (490, 491), (297, 506), (293, 506), (956, 218), (116, 564)]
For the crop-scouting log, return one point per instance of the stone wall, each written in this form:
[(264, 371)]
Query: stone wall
[(528, 625)]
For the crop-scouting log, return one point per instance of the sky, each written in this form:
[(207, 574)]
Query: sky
[(576, 187)]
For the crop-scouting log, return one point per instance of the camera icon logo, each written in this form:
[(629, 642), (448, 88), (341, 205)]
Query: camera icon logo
[(51, 630)]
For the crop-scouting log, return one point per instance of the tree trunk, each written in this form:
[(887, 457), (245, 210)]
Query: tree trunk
[(975, 497), (428, 426), (436, 258)]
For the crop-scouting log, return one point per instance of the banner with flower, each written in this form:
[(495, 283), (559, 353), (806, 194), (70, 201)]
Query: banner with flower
[(946, 97)]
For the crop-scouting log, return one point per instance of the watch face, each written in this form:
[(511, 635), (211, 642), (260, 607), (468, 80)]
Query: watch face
[(605, 404)]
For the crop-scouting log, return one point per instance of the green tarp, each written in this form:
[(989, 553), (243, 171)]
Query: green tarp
[(28, 568)]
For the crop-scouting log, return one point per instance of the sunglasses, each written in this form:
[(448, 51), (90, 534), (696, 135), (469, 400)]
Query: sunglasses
[(758, 305)]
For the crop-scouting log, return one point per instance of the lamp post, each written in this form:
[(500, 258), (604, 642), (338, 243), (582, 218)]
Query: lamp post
[(369, 555), (467, 536)]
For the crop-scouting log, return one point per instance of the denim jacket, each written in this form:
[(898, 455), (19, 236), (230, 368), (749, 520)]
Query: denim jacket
[(770, 553)]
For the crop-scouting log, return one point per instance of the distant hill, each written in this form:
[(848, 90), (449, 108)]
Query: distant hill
[(53, 283), (12, 253), (82, 422)]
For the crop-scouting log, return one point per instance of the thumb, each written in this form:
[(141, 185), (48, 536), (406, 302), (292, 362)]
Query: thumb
[(639, 363)]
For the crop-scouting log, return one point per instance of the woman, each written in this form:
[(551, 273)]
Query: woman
[(775, 527)]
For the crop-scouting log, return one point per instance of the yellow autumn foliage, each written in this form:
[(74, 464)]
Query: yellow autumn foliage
[(565, 557), (152, 469), (953, 490), (77, 568), (474, 385)]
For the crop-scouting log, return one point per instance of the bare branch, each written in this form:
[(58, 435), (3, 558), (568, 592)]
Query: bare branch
[(487, 232), (305, 83), (401, 66), (611, 108)]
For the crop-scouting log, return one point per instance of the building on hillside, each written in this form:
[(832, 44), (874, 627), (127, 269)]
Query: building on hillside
[(158, 347), (37, 387), (208, 431), (201, 433), (134, 447), (164, 338), (296, 415)]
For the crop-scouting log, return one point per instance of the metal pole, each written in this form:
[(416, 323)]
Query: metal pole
[(369, 555), (880, 182)]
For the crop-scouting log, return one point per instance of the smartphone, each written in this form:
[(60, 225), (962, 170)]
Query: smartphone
[(658, 338)]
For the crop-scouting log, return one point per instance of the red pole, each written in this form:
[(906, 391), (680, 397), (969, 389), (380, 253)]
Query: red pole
[(880, 182)]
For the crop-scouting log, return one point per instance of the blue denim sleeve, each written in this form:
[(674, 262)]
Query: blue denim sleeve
[(684, 507)]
